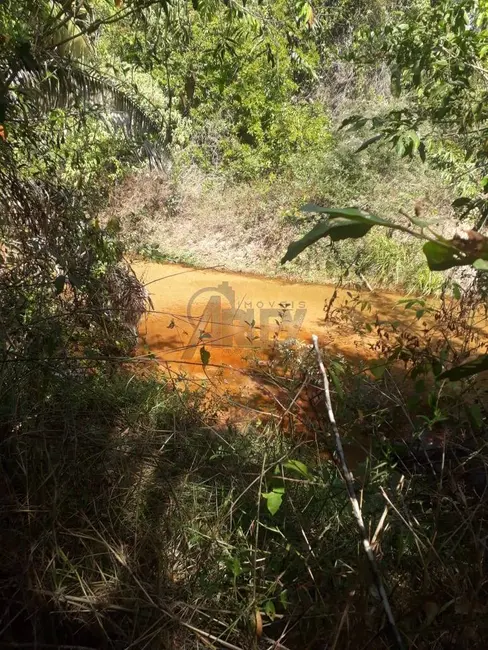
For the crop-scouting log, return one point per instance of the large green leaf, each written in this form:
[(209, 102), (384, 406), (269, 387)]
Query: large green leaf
[(297, 466), (351, 213), (320, 230), (348, 223), (441, 257), (337, 229), (466, 369), (480, 264), (347, 229)]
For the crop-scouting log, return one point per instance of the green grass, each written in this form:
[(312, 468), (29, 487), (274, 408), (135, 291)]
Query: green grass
[(153, 253), (208, 219), (389, 262), (137, 519), (381, 261)]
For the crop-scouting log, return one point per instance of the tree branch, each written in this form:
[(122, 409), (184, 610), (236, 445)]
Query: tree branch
[(349, 480)]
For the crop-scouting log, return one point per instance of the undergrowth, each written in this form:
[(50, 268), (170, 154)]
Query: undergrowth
[(209, 219), (133, 517)]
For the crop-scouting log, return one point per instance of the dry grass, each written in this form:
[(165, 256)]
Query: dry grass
[(215, 222), (132, 519), (206, 220)]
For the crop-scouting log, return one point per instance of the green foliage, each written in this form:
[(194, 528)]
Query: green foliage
[(253, 93), (235, 92), (127, 504), (351, 223), (274, 499), (437, 57), (441, 253), (342, 224)]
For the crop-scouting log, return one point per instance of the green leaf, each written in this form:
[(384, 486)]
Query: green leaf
[(204, 356), (368, 142), (274, 500), (337, 384), (481, 265), (460, 202), (337, 230), (358, 123), (414, 138), (468, 369), (440, 257), (270, 609), (348, 223), (320, 230), (350, 120), (422, 151), (456, 291), (297, 466), (234, 566), (284, 598), (348, 229), (59, 283), (351, 213), (400, 147), (378, 370)]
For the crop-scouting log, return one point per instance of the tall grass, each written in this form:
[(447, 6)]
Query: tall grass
[(210, 219), (132, 517), (378, 261)]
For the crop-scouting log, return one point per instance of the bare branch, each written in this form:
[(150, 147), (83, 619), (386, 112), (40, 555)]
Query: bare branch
[(349, 480)]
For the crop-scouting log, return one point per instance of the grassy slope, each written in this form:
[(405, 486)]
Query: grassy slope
[(204, 219)]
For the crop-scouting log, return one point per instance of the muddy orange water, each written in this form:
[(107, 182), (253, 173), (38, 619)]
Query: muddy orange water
[(236, 317)]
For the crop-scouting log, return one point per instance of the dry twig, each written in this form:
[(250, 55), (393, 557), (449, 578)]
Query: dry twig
[(349, 480)]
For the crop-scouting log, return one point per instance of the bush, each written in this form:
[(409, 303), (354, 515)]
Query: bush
[(132, 514), (271, 145)]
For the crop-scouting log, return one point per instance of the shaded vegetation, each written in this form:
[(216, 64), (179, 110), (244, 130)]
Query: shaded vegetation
[(134, 512)]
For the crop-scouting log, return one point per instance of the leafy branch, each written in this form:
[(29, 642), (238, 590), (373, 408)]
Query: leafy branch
[(467, 248)]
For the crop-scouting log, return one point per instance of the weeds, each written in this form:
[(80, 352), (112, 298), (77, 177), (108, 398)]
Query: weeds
[(207, 219), (152, 253), (133, 517)]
